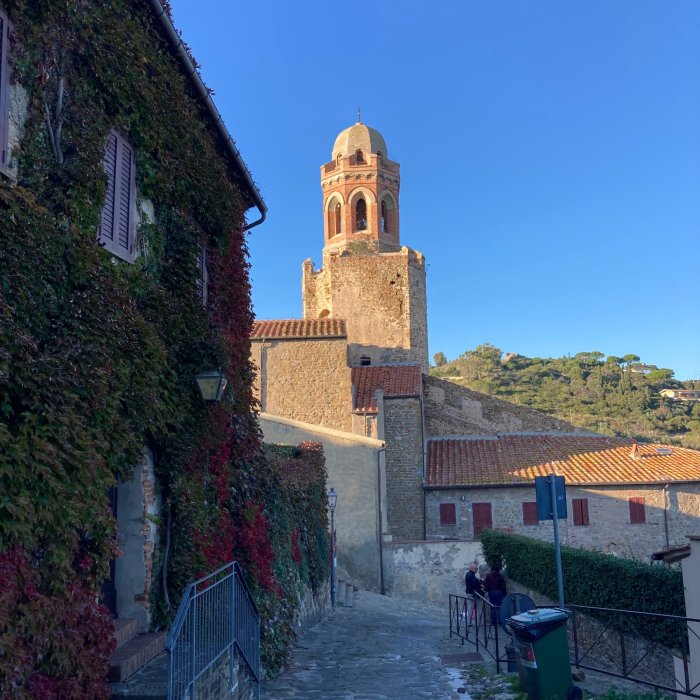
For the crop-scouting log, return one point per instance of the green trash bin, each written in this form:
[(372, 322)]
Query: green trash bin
[(542, 650)]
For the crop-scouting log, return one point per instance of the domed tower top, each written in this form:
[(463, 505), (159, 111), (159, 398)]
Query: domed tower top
[(359, 137), (360, 194)]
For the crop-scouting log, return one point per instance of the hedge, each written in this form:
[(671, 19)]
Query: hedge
[(591, 579)]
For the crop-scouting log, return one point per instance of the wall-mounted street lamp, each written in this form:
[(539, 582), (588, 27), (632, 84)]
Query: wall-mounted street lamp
[(211, 384), (332, 500)]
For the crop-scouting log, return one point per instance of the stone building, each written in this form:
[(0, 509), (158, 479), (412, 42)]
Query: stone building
[(622, 498), (357, 364)]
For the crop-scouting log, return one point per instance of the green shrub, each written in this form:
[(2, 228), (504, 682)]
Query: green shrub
[(593, 579)]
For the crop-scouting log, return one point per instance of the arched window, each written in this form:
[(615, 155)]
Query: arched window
[(361, 215), (359, 157), (380, 155), (338, 219), (338, 158), (385, 217)]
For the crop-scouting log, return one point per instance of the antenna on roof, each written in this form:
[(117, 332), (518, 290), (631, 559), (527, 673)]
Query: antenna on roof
[(359, 121)]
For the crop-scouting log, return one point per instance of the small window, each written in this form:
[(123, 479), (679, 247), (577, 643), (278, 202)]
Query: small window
[(359, 157), (580, 507), (448, 514), (118, 216), (4, 89), (203, 274), (530, 513), (361, 215), (481, 513), (385, 217), (337, 213), (339, 158), (637, 511), (365, 361)]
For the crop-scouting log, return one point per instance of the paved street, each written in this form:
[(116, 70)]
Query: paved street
[(380, 648)]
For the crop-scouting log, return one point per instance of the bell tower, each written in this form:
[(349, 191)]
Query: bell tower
[(360, 194), (368, 278)]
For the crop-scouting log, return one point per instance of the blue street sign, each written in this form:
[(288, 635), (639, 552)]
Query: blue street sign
[(543, 492)]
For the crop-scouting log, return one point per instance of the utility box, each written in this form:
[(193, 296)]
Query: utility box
[(542, 650)]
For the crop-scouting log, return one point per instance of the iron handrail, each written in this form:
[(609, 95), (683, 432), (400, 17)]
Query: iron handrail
[(216, 615)]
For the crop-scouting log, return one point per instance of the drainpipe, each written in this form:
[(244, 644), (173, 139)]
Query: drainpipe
[(666, 507), (423, 459), (201, 89), (380, 529)]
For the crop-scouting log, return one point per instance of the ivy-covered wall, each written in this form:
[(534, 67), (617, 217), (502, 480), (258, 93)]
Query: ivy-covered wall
[(97, 356)]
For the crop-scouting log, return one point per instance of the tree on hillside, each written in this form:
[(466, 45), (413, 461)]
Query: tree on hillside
[(439, 359)]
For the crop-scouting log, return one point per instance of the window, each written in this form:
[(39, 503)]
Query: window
[(338, 219), (360, 215), (637, 511), (365, 361), (481, 513), (203, 274), (530, 513), (580, 506), (385, 217), (359, 157), (4, 89), (117, 225), (448, 514)]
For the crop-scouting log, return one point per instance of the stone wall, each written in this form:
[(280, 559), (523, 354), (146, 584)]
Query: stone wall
[(354, 464), (382, 298), (451, 409), (609, 530), (137, 506), (428, 571), (304, 379), (404, 467)]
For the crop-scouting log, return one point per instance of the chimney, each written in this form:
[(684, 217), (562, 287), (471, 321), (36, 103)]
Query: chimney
[(634, 452)]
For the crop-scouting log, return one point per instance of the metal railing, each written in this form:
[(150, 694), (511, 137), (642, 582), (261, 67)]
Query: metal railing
[(619, 643), (476, 622), (216, 616)]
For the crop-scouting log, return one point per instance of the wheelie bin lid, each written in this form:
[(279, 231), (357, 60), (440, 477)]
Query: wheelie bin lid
[(534, 624)]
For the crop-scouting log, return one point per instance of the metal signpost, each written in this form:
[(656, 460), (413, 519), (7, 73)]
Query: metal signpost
[(551, 499)]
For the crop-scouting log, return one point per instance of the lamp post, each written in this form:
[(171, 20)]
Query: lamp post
[(332, 499)]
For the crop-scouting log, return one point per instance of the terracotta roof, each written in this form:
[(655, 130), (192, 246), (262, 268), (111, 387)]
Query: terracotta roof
[(299, 328), (581, 459), (393, 380)]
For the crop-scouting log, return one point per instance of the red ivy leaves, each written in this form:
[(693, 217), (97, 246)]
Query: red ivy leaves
[(252, 538), (51, 646)]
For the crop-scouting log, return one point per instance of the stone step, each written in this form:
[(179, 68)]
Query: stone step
[(135, 654), (125, 629)]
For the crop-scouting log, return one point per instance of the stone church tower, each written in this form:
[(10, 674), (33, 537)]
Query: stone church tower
[(367, 277)]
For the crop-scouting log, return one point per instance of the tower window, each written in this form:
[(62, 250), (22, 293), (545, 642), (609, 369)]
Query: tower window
[(338, 219), (359, 157), (361, 215), (385, 217), (365, 361)]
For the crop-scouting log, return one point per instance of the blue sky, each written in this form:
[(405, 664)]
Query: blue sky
[(550, 157)]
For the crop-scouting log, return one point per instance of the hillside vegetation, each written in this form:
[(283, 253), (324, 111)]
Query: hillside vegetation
[(610, 395)]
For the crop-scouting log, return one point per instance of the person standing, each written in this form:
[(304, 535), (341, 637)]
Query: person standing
[(495, 587), (472, 586)]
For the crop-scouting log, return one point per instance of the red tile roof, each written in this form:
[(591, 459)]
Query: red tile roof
[(393, 380), (299, 328), (581, 459)]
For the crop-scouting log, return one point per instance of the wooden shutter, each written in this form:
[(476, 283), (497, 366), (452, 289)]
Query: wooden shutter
[(481, 513), (448, 514), (530, 513), (580, 507), (4, 90), (117, 224), (637, 511)]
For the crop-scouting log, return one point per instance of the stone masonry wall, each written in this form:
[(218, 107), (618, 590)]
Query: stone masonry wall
[(451, 409), (609, 530), (404, 467), (305, 380), (382, 298)]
